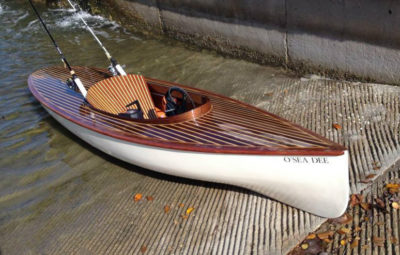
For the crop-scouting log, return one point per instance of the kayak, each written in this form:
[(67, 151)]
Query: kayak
[(209, 137)]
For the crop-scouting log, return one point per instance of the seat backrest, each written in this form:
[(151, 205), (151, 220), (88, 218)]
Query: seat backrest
[(113, 94)]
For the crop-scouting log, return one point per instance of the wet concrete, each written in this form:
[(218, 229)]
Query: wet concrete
[(371, 224), (226, 220)]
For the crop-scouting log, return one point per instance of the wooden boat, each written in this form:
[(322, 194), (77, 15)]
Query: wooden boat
[(218, 139)]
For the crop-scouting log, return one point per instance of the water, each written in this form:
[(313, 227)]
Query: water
[(43, 167)]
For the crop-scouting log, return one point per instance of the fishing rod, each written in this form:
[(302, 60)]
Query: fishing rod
[(75, 79), (114, 68)]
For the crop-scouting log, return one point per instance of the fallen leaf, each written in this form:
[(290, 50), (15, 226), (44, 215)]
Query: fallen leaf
[(393, 191), (337, 126), (285, 91), (393, 240), (137, 197), (357, 229), (344, 231), (167, 208), (364, 247), (395, 205), (355, 199), (143, 249), (343, 242), (393, 186), (380, 203), (268, 94), (365, 206), (370, 176), (304, 246), (327, 240), (354, 244), (344, 219), (181, 205), (149, 198), (365, 181), (184, 216), (311, 236), (380, 223), (189, 210), (325, 235), (378, 241)]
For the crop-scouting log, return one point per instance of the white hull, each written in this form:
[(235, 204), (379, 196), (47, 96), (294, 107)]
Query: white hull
[(315, 184)]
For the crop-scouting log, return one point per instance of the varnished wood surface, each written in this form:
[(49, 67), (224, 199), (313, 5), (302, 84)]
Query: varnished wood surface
[(228, 127), (111, 95)]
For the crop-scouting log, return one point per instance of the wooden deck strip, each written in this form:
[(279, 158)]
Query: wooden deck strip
[(230, 126)]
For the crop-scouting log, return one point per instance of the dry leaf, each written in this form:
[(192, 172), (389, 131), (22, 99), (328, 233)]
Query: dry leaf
[(311, 236), (380, 203), (285, 91), (393, 240), (393, 191), (378, 241), (354, 244), (184, 216), (181, 205), (395, 205), (325, 235), (327, 240), (137, 197), (149, 198), (380, 223), (344, 219), (355, 199), (393, 186), (344, 231), (268, 94), (304, 246), (365, 206), (343, 242), (189, 210), (357, 229), (337, 126), (167, 208), (365, 181), (143, 249), (364, 247), (370, 176)]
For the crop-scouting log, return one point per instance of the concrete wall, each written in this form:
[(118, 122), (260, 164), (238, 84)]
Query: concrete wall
[(340, 38)]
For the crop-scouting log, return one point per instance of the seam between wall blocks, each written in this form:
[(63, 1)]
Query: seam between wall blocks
[(285, 42), (160, 19)]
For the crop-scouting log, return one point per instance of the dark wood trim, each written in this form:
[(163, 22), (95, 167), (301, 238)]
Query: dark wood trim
[(153, 81), (332, 149)]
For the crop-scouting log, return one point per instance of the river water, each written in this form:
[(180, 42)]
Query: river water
[(42, 165)]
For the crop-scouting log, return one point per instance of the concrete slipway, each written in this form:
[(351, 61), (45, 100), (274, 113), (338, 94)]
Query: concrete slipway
[(225, 220)]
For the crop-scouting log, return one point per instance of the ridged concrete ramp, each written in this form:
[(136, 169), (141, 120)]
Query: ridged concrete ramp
[(97, 215)]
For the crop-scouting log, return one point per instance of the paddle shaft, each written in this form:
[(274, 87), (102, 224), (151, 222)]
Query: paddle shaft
[(74, 77), (114, 63)]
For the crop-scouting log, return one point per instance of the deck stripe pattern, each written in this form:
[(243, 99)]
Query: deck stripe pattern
[(113, 94), (229, 127)]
